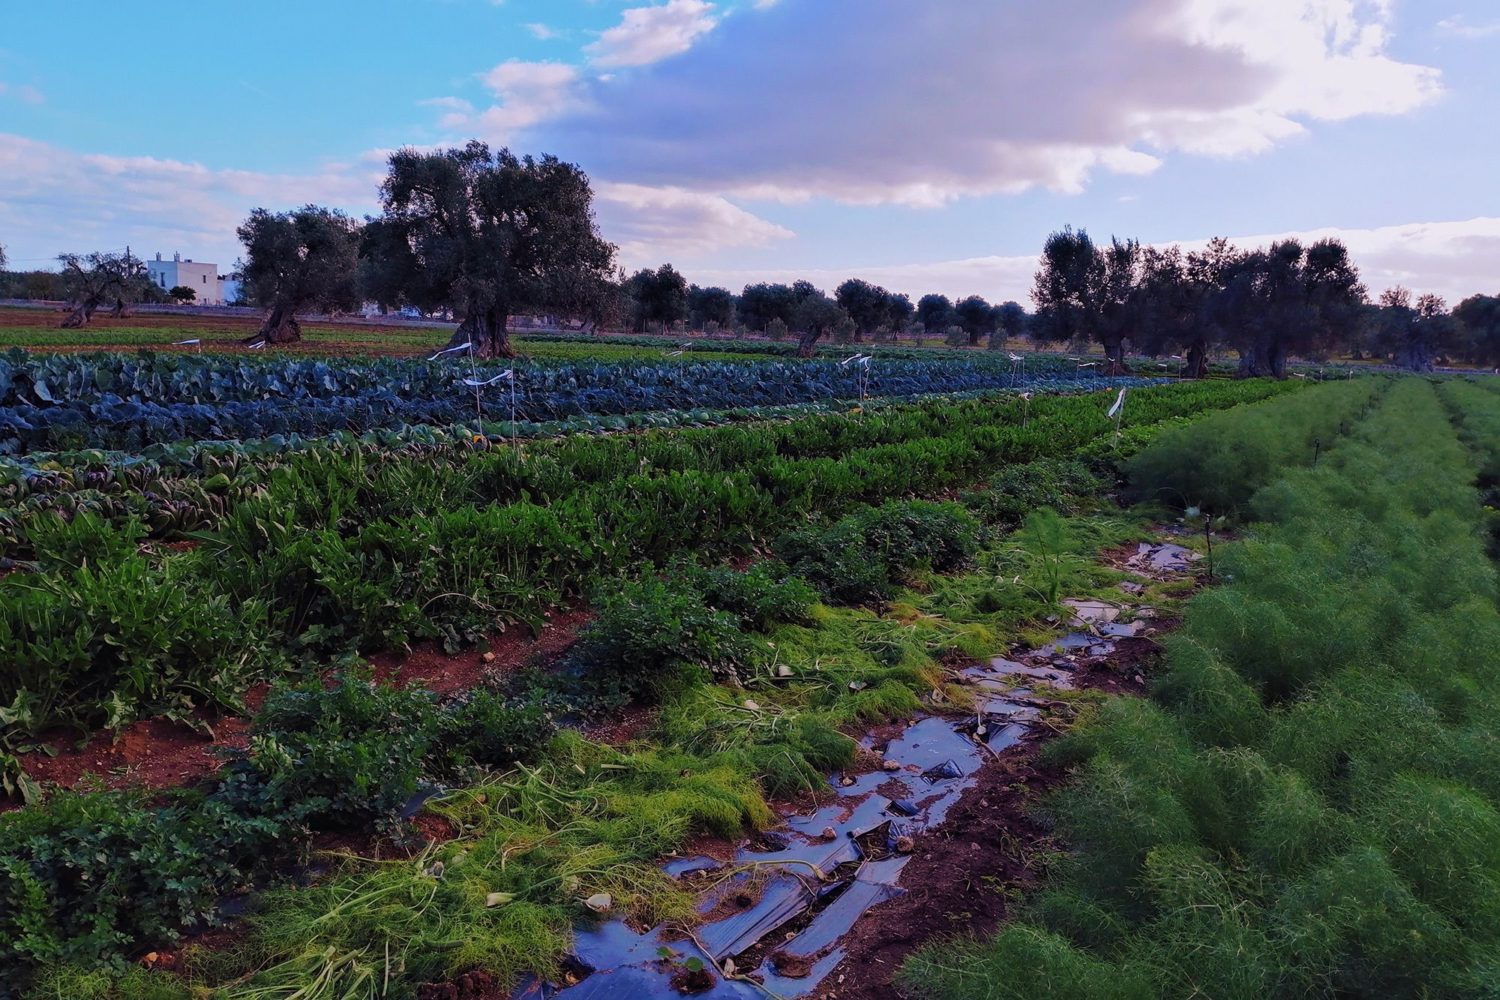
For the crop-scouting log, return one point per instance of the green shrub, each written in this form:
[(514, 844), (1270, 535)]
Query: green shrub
[(760, 596), (86, 539), (863, 558), (483, 727), (90, 874), (654, 636), (334, 756), (1017, 490)]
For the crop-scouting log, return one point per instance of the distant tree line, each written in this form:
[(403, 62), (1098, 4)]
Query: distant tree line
[(485, 236)]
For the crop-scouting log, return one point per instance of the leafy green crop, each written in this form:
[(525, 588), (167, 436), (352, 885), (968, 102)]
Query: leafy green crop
[(1307, 807)]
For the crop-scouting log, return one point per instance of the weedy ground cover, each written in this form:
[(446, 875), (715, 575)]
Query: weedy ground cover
[(547, 820), (1306, 807)]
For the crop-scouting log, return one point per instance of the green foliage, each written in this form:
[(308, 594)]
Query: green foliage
[(862, 558), (1306, 808), (1053, 551), (334, 756), (1017, 490), (1218, 463), (90, 874), (653, 636), (485, 728), (761, 596)]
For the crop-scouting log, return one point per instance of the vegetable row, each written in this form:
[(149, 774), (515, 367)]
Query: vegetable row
[(344, 550)]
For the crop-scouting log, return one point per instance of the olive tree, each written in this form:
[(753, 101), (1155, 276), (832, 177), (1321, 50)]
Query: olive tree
[(299, 260), (489, 234), (93, 279)]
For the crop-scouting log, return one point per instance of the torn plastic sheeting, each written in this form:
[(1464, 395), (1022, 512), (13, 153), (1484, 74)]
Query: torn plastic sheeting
[(635, 981), (824, 855), (1121, 630), (784, 897), (942, 772), (788, 987), (679, 867), (1092, 612), (874, 883)]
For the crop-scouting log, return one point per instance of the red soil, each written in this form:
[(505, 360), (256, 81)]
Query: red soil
[(158, 753)]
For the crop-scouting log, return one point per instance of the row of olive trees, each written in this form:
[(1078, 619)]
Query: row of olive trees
[(1265, 304), (858, 310), (479, 233), (484, 235)]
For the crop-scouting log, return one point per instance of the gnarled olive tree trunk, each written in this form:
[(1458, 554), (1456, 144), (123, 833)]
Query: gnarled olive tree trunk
[(280, 327), (1197, 360), (486, 330), (807, 342), (1114, 354), (1262, 361), (82, 313)]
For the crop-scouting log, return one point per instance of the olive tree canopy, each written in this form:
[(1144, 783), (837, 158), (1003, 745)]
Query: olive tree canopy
[(93, 279), (296, 261), (489, 234)]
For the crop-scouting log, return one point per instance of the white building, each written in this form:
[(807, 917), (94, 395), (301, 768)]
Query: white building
[(231, 289), (202, 278)]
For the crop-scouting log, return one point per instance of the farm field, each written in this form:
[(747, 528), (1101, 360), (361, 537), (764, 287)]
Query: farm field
[(712, 706)]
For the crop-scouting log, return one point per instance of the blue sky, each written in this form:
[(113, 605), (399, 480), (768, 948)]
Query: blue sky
[(930, 146)]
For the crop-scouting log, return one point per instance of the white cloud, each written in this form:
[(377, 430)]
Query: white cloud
[(57, 200), (889, 101), (23, 92), (529, 92), (543, 32), (649, 34), (1459, 26), (1452, 259), (651, 225)]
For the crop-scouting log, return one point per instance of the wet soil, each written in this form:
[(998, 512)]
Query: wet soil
[(961, 877), (934, 833)]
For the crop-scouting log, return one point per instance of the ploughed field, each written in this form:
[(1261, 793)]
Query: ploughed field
[(714, 678)]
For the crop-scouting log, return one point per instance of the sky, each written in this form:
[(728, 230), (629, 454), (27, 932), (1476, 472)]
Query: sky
[(928, 145)]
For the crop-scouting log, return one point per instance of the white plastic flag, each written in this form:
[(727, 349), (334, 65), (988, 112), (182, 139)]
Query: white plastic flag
[(503, 376), (1119, 405), (1026, 396), (185, 343), (449, 350), (257, 345), (1015, 357)]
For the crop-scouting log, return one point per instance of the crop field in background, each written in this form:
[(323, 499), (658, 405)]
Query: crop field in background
[(444, 684)]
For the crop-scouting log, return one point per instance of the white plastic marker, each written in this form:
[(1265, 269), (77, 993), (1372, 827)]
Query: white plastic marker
[(452, 350), (1016, 357), (1118, 411), (1115, 410), (185, 343), (509, 373), (674, 354), (257, 345), (1026, 408)]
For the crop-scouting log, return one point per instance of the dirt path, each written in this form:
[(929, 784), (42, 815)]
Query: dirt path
[(929, 836)]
